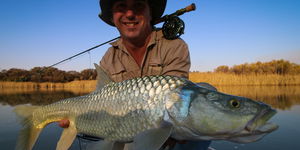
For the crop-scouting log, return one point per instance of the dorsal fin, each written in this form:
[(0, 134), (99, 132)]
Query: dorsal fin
[(207, 86), (102, 77)]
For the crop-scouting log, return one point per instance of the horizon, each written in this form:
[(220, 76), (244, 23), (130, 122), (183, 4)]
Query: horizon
[(41, 33), (213, 70)]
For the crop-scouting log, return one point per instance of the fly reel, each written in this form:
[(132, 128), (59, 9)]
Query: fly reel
[(173, 27)]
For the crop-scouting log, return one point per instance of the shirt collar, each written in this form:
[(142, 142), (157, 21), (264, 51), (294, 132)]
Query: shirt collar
[(156, 35)]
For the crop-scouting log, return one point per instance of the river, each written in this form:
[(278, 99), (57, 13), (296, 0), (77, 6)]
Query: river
[(286, 99)]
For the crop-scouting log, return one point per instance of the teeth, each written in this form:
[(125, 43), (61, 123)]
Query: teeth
[(130, 24)]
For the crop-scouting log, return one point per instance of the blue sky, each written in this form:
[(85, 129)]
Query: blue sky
[(220, 32)]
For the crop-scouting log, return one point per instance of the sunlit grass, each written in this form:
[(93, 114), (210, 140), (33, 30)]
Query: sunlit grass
[(212, 78), (84, 86), (252, 79)]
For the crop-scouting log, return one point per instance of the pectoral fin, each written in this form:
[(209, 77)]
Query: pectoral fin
[(66, 138), (152, 139)]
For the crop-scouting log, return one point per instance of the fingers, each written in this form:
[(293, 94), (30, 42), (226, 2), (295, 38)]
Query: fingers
[(64, 123)]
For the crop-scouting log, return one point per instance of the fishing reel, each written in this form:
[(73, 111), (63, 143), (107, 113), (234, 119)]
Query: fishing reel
[(173, 27)]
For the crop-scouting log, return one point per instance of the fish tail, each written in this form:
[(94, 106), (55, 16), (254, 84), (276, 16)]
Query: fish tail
[(29, 133)]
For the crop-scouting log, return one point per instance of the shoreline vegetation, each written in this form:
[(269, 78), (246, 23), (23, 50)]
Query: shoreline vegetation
[(273, 73), (216, 79), (81, 84), (229, 79)]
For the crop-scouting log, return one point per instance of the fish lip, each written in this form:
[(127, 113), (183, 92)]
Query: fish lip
[(260, 122)]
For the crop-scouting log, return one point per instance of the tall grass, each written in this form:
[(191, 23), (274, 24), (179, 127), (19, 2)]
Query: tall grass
[(251, 79), (212, 78), (85, 84)]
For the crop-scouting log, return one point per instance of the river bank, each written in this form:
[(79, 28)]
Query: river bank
[(212, 78), (245, 79), (83, 84)]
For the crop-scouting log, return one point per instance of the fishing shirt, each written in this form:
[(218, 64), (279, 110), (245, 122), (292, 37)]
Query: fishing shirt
[(162, 57)]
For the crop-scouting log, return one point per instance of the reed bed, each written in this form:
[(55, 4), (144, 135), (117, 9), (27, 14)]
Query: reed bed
[(212, 78), (89, 85), (252, 79)]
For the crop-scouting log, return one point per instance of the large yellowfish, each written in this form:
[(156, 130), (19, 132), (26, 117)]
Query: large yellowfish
[(146, 112)]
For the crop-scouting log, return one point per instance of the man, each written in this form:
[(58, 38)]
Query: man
[(142, 50)]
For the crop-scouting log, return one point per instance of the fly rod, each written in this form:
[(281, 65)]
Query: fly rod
[(83, 52), (173, 29)]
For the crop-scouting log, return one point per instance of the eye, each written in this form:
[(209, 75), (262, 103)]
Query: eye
[(234, 103), (139, 6), (119, 6)]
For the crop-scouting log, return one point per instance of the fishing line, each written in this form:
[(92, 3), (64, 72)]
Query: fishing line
[(90, 59), (84, 51)]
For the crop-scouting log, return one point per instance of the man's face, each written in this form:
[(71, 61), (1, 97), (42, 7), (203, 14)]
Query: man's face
[(132, 18)]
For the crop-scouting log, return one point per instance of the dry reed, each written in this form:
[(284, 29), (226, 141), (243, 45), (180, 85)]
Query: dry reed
[(212, 78), (252, 79), (86, 84)]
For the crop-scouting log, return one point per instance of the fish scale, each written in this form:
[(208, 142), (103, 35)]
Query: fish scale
[(129, 109)]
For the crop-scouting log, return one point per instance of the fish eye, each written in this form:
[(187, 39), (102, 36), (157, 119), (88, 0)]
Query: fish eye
[(234, 103)]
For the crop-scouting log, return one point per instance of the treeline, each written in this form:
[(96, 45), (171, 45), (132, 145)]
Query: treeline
[(281, 67), (51, 74), (46, 74)]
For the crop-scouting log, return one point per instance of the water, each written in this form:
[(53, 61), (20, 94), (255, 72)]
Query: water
[(285, 99)]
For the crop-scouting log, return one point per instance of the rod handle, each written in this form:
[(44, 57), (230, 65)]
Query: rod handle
[(191, 7), (179, 12)]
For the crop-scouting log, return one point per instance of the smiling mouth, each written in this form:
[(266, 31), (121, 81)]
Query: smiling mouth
[(130, 24)]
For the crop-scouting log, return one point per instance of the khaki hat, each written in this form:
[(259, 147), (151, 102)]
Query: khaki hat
[(157, 9)]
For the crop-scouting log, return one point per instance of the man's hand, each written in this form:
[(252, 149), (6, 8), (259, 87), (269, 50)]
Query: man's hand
[(64, 123)]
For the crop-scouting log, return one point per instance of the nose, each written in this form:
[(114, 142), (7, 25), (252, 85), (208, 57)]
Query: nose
[(129, 14)]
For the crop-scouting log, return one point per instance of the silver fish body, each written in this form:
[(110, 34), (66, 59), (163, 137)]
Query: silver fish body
[(171, 105), (119, 111)]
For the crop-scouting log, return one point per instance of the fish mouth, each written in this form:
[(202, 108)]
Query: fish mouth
[(259, 123), (256, 128)]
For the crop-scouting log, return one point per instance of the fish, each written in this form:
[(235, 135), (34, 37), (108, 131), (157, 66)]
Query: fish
[(146, 111)]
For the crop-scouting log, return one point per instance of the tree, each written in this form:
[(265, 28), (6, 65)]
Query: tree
[(3, 75), (15, 74), (281, 67), (222, 69), (88, 74), (72, 75), (36, 74)]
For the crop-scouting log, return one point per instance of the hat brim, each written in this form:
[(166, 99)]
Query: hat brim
[(157, 9)]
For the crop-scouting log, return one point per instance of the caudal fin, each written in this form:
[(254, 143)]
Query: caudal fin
[(29, 133)]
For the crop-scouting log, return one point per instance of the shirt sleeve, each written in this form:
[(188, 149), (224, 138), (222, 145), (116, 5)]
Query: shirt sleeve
[(176, 59)]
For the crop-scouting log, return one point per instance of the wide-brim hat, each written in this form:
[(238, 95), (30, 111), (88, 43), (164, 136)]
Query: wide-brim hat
[(157, 9)]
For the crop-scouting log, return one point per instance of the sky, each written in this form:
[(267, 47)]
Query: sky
[(37, 33)]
